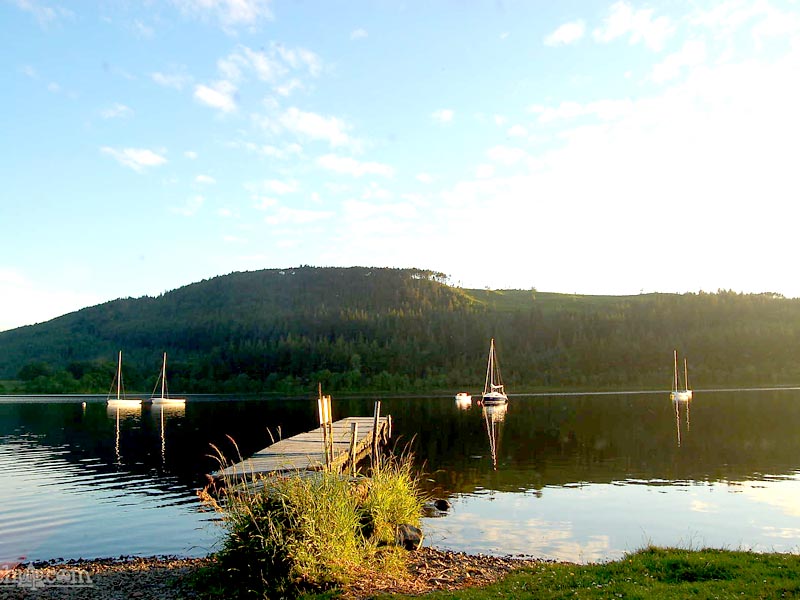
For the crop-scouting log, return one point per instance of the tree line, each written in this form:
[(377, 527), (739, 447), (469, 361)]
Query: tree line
[(402, 330)]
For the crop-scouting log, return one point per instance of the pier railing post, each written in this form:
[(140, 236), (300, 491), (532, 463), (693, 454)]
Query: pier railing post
[(375, 422), (353, 439)]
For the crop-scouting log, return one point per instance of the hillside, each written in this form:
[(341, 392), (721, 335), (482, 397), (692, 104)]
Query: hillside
[(404, 330)]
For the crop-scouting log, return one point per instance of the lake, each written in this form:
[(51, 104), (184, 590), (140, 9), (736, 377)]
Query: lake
[(571, 477)]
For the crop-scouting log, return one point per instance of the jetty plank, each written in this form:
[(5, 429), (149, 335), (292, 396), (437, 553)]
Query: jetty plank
[(306, 451)]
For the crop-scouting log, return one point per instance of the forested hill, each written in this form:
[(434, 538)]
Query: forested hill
[(402, 330)]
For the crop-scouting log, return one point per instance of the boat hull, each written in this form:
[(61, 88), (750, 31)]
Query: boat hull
[(124, 403), (681, 396), (168, 400), (494, 399)]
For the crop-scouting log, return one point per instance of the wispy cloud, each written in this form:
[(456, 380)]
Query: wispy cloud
[(137, 159), (350, 166), (358, 34), (443, 115), (568, 33), (117, 111), (317, 127), (190, 207), (692, 54), (637, 25), (205, 180), (296, 216), (219, 95), (230, 13), (45, 15), (173, 80)]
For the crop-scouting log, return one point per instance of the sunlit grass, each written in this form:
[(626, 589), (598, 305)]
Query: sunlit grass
[(311, 530), (667, 573)]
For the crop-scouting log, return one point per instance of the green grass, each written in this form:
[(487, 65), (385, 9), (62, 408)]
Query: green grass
[(667, 573), (310, 531)]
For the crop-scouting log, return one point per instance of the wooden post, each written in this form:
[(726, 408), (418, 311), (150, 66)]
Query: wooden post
[(353, 439), (375, 422)]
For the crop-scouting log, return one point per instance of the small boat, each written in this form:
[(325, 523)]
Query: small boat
[(679, 394), (493, 390), (164, 397), (463, 398), (120, 401)]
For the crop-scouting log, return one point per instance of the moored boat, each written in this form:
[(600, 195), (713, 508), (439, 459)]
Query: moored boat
[(493, 390)]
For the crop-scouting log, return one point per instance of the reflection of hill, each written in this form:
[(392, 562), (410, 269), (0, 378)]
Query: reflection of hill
[(553, 441)]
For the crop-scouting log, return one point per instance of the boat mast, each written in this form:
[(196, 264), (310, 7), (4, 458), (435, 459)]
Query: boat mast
[(686, 374), (119, 373), (164, 375), (489, 370), (675, 372)]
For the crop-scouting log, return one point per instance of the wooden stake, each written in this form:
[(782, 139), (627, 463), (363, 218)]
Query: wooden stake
[(353, 439), (375, 422)]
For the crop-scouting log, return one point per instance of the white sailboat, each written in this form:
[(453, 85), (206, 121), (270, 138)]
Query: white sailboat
[(120, 401), (493, 390), (680, 394), (164, 397)]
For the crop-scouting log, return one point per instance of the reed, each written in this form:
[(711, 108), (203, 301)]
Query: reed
[(311, 530)]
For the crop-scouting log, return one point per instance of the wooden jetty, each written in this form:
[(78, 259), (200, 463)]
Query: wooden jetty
[(307, 451)]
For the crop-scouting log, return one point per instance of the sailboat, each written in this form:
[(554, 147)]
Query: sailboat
[(120, 400), (678, 394), (493, 390), (164, 398)]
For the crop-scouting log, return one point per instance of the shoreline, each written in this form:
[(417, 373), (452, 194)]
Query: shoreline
[(172, 577)]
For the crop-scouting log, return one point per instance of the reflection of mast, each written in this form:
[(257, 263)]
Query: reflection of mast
[(492, 416), (163, 439), (688, 424), (116, 441), (678, 421)]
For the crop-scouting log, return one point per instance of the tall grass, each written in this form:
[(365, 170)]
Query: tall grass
[(311, 530)]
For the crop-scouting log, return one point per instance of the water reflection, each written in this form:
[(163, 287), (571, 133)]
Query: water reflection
[(686, 404), (463, 401), (492, 417), (119, 413), (161, 413)]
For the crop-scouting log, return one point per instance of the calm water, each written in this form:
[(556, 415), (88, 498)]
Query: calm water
[(582, 478)]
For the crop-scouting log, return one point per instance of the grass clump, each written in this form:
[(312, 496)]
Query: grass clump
[(311, 531)]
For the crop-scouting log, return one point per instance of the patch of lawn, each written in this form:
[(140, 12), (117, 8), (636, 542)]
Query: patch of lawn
[(651, 573)]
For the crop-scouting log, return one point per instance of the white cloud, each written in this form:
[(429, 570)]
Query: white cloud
[(484, 171), (190, 207), (117, 111), (517, 131), (44, 15), (443, 115), (300, 57), (176, 81), (567, 33), (205, 180), (230, 13), (350, 166), (220, 95), (692, 54), (135, 158), (287, 88), (424, 178), (358, 34), (356, 210), (637, 25), (190, 154), (264, 202), (273, 186), (606, 110), (506, 155), (316, 127), (296, 216)]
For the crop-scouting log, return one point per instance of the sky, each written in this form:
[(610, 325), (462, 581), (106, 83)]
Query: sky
[(575, 146)]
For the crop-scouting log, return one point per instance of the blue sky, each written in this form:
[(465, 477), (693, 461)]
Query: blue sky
[(590, 147)]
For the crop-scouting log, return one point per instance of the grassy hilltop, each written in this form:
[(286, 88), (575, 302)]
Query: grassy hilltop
[(403, 330)]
